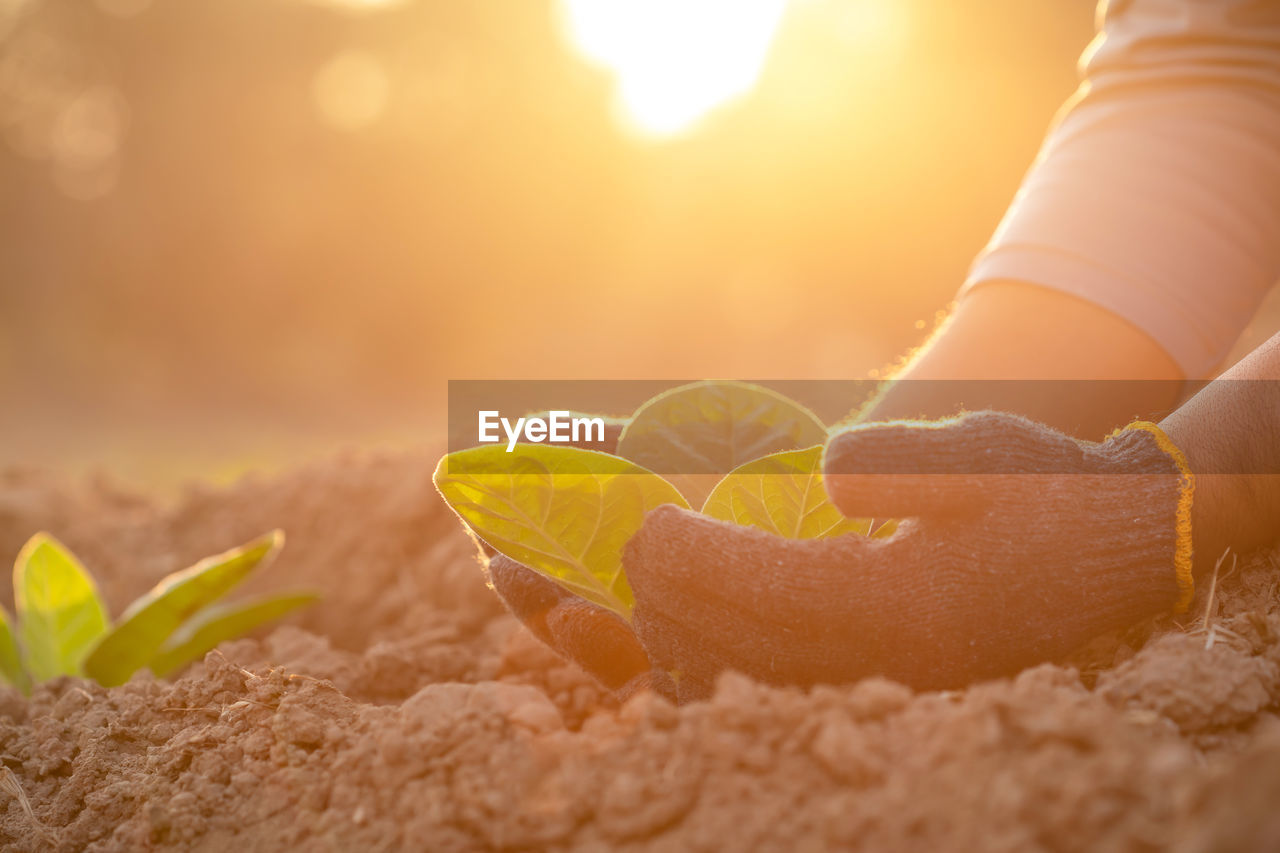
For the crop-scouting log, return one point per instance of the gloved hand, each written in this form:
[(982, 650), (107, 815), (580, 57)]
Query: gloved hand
[(593, 637), (1020, 545)]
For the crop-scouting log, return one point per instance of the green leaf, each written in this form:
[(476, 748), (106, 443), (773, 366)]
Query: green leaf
[(783, 494), (59, 609), (711, 428), (563, 511), (885, 530), (11, 669), (220, 623), (149, 620)]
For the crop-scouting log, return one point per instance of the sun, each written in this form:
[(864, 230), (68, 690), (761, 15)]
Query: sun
[(674, 60)]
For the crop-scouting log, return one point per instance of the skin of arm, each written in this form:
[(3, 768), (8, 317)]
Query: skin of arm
[(1230, 434), (1016, 331)]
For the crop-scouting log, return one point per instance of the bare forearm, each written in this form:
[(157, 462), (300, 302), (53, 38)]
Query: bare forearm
[(1230, 433), (1016, 347)]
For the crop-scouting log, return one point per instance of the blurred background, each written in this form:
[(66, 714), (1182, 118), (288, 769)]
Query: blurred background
[(234, 233)]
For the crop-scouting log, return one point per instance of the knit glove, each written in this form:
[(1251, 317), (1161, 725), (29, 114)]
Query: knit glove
[(1020, 545), (595, 638)]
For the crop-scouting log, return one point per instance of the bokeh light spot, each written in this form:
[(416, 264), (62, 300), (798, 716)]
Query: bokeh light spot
[(88, 132), (85, 142), (351, 90)]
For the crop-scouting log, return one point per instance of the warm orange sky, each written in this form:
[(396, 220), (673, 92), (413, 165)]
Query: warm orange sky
[(278, 224)]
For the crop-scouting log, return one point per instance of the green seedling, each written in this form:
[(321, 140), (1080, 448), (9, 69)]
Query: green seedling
[(564, 511), (783, 494), (63, 627), (220, 622), (568, 513), (60, 613), (705, 430)]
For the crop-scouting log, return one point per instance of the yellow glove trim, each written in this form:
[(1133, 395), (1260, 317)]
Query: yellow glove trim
[(1182, 551)]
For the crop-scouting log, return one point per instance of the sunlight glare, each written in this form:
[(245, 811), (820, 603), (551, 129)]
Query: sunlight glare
[(674, 60)]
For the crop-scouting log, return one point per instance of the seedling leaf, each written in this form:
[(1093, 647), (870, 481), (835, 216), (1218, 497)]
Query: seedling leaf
[(564, 512), (783, 494), (11, 668), (58, 607), (151, 619), (885, 530), (711, 428), (220, 623)]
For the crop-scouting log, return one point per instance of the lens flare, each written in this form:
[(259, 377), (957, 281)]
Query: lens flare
[(674, 60)]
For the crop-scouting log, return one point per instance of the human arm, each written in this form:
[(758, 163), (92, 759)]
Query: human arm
[(1048, 355), (1141, 239), (1230, 433)]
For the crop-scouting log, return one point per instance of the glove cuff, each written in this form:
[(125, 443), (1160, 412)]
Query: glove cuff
[(1182, 560)]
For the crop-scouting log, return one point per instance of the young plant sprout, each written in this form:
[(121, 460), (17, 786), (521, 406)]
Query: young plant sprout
[(568, 513), (62, 626)]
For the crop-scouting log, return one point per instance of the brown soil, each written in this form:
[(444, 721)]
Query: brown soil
[(409, 711)]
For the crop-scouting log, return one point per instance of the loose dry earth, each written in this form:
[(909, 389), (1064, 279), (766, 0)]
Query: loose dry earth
[(409, 711)]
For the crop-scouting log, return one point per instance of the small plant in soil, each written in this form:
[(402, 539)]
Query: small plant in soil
[(568, 512), (62, 626)]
